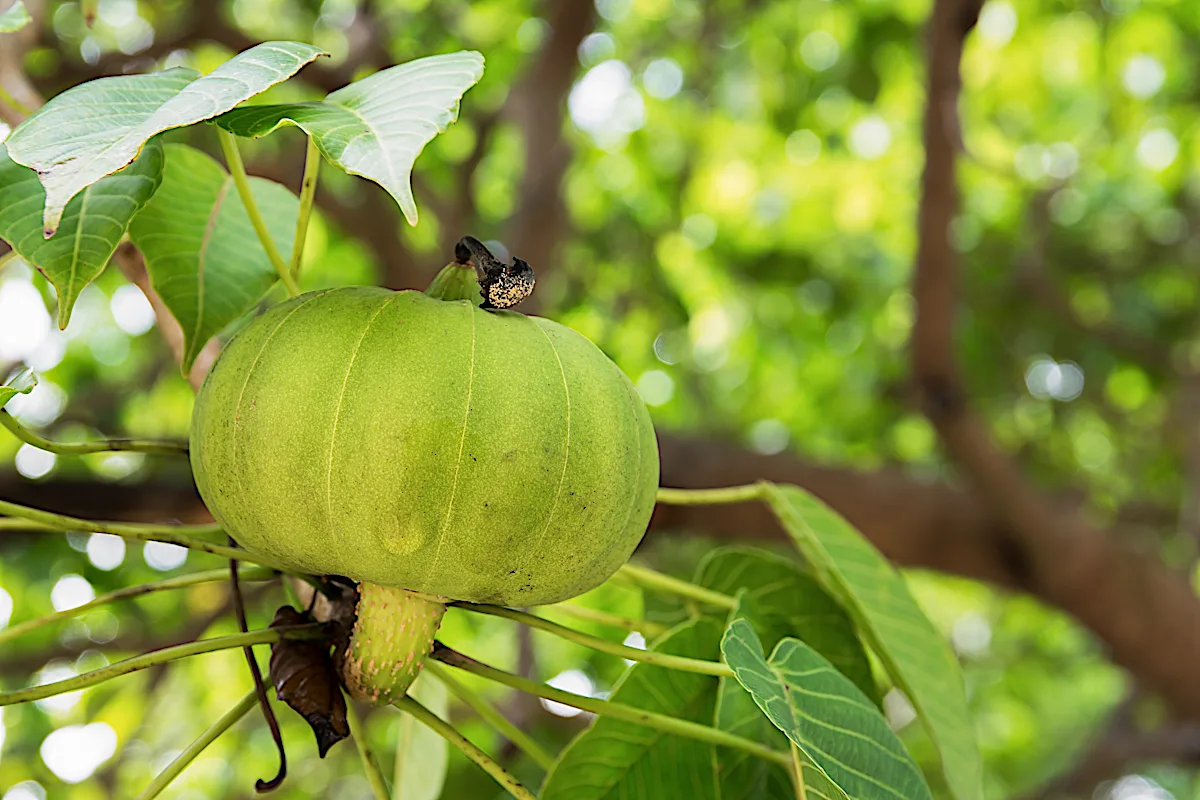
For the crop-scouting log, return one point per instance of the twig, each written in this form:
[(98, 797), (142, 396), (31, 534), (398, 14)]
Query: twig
[(447, 732), (85, 448), (666, 660), (590, 614), (524, 742), (184, 759), (146, 660), (637, 716), (171, 534), (308, 192), (370, 765), (233, 159), (180, 582), (657, 581)]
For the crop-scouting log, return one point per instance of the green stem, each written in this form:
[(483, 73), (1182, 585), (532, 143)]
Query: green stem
[(643, 626), (607, 708), (680, 663), (84, 448), (370, 765), (156, 657), (711, 497), (11, 255), (233, 159), (49, 521), (447, 732), (649, 579), (524, 742), (180, 582), (13, 103), (797, 773), (181, 762), (308, 192)]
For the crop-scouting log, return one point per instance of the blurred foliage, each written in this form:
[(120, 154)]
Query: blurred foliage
[(741, 197)]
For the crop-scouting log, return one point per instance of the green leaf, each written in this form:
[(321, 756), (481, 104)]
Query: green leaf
[(94, 129), (918, 659), (92, 226), (616, 759), (378, 126), (14, 18), (742, 776), (782, 599), (834, 724), (202, 254), (21, 383), (421, 754)]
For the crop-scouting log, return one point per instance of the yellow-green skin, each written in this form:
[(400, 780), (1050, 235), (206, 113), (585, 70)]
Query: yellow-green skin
[(426, 444)]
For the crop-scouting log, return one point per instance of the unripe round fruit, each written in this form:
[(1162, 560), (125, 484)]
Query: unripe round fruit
[(426, 444)]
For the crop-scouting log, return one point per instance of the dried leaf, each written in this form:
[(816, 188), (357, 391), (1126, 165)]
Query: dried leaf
[(304, 678)]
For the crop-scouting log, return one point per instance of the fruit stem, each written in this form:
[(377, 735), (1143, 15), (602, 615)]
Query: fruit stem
[(181, 762), (83, 448), (233, 160), (370, 765), (37, 520), (393, 632), (156, 657), (180, 582), (456, 282), (643, 626), (447, 732), (308, 192), (712, 497), (657, 581), (680, 663), (637, 716), (524, 742)]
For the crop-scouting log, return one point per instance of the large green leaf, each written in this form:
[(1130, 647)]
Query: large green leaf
[(21, 383), (782, 599), (421, 754), (203, 256), (378, 126), (92, 226), (94, 129), (742, 776), (14, 18), (835, 725), (912, 651), (616, 759), (779, 598)]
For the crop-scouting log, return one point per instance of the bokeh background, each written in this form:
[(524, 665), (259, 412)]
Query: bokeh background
[(724, 196)]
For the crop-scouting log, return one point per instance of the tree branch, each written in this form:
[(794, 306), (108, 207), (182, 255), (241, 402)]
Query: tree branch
[(1129, 599)]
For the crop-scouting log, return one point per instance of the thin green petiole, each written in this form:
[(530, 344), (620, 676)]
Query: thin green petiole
[(657, 581), (370, 765), (171, 534), (233, 159), (308, 193), (13, 103), (797, 773), (711, 497), (607, 708), (680, 663), (181, 762), (447, 732), (84, 448), (156, 657), (180, 582), (643, 626), (524, 742)]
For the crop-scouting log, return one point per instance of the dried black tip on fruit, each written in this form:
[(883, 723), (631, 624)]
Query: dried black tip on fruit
[(502, 285)]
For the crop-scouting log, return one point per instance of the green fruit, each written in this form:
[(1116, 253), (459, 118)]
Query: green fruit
[(426, 444)]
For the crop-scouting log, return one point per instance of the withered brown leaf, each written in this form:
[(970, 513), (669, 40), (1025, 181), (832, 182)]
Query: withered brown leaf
[(304, 678)]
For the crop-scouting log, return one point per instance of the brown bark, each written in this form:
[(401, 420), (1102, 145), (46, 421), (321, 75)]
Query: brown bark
[(1146, 614)]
